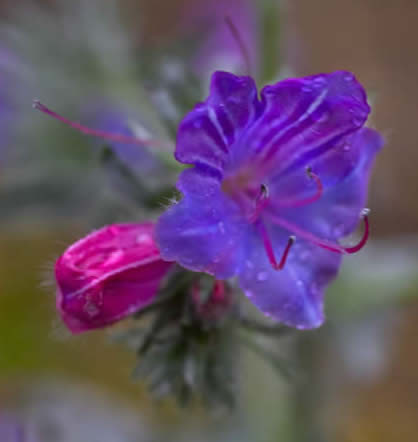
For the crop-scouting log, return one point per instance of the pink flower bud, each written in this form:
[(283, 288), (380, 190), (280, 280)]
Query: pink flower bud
[(108, 275), (218, 304)]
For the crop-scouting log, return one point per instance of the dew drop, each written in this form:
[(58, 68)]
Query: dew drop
[(346, 148), (323, 118), (339, 230), (358, 121), (221, 227), (299, 283), (319, 82), (91, 309), (249, 264), (143, 238), (304, 255), (262, 276), (314, 288), (348, 78)]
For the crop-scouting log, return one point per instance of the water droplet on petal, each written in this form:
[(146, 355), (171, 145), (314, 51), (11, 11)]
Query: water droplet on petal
[(323, 118), (314, 288), (304, 255), (319, 82), (339, 231), (91, 309), (358, 121), (143, 238), (262, 276), (221, 227), (249, 264), (346, 148)]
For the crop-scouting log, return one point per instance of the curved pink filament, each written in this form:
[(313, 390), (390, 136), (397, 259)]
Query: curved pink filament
[(325, 244), (269, 248), (261, 202), (114, 137), (241, 44), (305, 201), (364, 238)]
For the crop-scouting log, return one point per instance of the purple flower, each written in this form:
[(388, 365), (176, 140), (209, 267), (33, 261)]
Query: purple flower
[(108, 275), (219, 47), (292, 165)]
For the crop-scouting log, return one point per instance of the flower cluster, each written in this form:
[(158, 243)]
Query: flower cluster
[(276, 182), (271, 182)]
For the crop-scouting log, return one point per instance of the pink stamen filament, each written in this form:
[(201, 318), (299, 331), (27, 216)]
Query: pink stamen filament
[(325, 244), (261, 202), (364, 238), (293, 203), (109, 136), (240, 42), (269, 248)]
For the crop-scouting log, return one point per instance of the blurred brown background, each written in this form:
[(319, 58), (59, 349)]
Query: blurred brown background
[(378, 40)]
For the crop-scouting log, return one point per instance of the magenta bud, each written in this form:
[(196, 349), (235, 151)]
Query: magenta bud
[(108, 275), (217, 305)]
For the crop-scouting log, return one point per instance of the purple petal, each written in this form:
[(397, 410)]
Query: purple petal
[(337, 213), (293, 295), (207, 132), (202, 237), (304, 118)]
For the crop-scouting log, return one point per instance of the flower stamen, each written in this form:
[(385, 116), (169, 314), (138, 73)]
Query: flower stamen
[(269, 248), (261, 202), (323, 243), (240, 42), (365, 236), (305, 201), (109, 136)]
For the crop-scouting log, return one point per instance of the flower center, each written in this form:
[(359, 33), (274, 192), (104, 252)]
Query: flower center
[(238, 183), (242, 187)]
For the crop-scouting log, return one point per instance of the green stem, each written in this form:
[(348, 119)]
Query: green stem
[(307, 394)]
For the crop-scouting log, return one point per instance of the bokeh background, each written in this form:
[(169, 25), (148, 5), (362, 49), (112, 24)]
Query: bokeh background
[(360, 370)]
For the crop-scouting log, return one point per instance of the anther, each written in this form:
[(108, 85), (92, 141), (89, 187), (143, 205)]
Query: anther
[(264, 191), (109, 136), (261, 201), (318, 182), (293, 202)]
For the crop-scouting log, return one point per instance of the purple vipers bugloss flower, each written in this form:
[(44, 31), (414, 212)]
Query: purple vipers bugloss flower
[(291, 165)]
